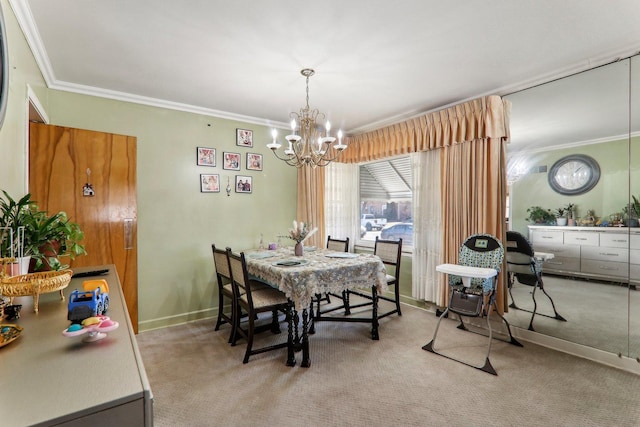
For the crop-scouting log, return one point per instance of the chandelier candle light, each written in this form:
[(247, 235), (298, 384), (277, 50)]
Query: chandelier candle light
[(310, 147)]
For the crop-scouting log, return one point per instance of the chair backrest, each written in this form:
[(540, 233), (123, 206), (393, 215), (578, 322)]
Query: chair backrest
[(520, 258), (239, 275), (338, 245), (221, 263), (390, 252), (484, 251)]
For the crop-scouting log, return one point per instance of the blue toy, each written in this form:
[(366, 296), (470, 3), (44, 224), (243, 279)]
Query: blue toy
[(90, 302)]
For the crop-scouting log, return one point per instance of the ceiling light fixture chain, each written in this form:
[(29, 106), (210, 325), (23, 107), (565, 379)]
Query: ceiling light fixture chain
[(309, 147)]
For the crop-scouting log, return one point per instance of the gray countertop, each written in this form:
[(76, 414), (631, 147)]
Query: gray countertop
[(48, 379)]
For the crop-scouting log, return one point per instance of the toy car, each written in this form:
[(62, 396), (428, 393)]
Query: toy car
[(92, 301)]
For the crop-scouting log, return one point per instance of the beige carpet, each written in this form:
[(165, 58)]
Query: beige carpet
[(199, 380)]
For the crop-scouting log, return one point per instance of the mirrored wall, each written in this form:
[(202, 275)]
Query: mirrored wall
[(565, 135)]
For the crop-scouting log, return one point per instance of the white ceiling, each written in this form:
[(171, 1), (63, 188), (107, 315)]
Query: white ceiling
[(376, 61)]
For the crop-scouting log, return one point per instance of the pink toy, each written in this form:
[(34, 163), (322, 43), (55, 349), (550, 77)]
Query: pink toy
[(96, 328)]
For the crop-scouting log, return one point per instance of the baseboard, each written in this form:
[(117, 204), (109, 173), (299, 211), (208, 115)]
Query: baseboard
[(163, 322), (610, 359)]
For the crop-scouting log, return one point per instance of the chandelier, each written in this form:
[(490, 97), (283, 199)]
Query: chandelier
[(311, 146)]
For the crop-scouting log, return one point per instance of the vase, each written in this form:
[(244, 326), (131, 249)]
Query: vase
[(298, 250), (561, 220)]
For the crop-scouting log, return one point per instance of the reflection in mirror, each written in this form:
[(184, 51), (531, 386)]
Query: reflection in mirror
[(587, 275)]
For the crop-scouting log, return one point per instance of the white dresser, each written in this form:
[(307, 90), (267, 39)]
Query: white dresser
[(605, 253)]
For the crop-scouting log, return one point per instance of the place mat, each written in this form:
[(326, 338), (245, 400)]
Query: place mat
[(341, 255), (290, 263), (261, 255)]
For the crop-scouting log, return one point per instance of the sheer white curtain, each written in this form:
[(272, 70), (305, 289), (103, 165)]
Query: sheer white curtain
[(341, 200), (427, 225)]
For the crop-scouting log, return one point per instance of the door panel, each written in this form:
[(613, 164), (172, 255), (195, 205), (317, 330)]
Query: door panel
[(61, 161)]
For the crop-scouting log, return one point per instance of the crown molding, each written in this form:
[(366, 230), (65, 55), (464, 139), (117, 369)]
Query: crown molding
[(27, 25)]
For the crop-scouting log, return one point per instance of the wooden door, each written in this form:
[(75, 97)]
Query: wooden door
[(61, 161)]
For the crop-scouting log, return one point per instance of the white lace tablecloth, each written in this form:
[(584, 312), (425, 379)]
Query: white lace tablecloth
[(317, 273)]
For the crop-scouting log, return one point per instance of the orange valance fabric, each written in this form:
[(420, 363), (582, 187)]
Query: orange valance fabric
[(481, 118)]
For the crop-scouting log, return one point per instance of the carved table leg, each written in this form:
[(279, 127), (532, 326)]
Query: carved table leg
[(291, 358), (305, 339), (374, 314)]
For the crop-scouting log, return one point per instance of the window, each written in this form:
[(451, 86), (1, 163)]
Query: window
[(386, 206)]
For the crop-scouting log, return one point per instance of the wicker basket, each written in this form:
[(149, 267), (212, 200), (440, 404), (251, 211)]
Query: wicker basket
[(34, 284)]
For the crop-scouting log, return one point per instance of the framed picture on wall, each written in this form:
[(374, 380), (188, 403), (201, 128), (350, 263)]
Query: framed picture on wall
[(231, 161), (244, 184), (254, 162), (244, 137), (206, 156), (209, 183)]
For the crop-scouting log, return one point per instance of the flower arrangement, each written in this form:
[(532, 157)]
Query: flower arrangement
[(300, 231)]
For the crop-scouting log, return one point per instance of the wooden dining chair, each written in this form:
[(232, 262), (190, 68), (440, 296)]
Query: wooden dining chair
[(390, 252), (225, 289), (256, 299), (338, 245)]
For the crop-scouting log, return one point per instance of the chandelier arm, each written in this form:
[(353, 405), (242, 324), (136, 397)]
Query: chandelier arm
[(311, 146), (286, 159)]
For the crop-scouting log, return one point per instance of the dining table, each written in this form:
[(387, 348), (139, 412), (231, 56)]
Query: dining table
[(318, 271)]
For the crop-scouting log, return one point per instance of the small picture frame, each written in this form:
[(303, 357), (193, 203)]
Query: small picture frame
[(209, 183), (244, 138), (244, 184), (254, 162), (206, 156), (231, 161)]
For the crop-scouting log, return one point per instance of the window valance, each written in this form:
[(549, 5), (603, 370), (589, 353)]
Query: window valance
[(480, 118)]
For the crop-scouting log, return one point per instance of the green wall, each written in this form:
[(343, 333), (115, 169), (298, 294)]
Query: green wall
[(609, 196)]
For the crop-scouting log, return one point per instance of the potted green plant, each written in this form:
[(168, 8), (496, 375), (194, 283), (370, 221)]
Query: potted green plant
[(631, 212), (12, 214), (50, 237), (47, 238), (561, 216), (539, 215)]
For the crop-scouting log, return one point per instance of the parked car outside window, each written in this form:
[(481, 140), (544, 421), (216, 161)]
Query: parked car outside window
[(398, 230)]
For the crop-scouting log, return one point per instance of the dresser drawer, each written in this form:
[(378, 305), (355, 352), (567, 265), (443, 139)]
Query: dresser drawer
[(600, 253), (605, 268), (634, 241), (634, 256), (634, 272), (546, 237), (583, 238), (561, 264), (615, 240), (568, 251)]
